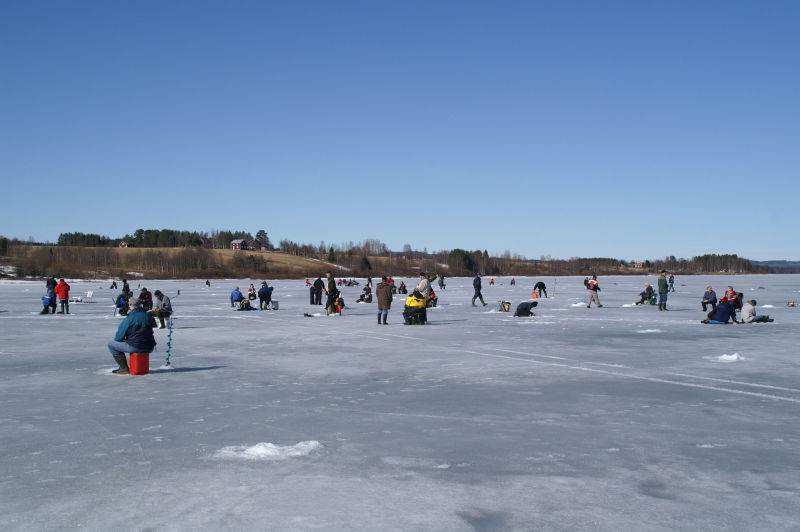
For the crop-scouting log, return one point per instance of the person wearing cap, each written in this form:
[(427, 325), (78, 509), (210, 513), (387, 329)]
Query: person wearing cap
[(134, 335), (62, 291), (162, 308), (236, 296), (663, 289), (384, 293), (424, 286), (709, 298), (146, 299), (749, 314), (264, 296)]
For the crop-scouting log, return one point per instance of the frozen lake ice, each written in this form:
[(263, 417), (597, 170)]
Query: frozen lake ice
[(613, 418)]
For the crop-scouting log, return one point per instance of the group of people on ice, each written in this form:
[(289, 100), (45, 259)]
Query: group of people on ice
[(263, 294), (56, 293)]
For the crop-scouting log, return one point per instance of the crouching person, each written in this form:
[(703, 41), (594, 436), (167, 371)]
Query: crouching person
[(134, 335), (163, 308)]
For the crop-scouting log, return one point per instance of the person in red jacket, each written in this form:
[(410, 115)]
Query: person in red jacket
[(62, 291)]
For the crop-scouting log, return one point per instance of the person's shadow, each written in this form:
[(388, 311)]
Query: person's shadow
[(185, 370)]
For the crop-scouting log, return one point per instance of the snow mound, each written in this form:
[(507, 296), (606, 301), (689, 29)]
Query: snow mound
[(579, 304), (736, 357), (269, 451), (767, 306), (646, 331), (627, 305)]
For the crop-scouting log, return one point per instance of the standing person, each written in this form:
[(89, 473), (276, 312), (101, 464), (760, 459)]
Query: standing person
[(146, 298), (311, 292), (51, 293), (513, 281), (162, 308), (208, 283), (663, 289), (540, 287), (134, 335), (424, 286), (441, 282), (331, 292), (319, 287), (126, 289), (476, 284), (113, 285), (491, 281), (586, 282), (671, 283), (593, 287), (709, 298), (384, 293), (62, 291)]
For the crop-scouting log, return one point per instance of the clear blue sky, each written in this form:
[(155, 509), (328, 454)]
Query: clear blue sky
[(618, 129)]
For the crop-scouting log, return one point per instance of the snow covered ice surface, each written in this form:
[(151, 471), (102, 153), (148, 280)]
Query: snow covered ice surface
[(613, 418)]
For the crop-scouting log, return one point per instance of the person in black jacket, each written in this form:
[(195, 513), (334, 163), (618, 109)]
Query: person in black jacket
[(540, 287), (319, 286), (264, 296), (724, 311), (476, 284)]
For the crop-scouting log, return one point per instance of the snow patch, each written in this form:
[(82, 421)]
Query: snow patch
[(647, 331), (736, 357), (767, 306), (269, 451)]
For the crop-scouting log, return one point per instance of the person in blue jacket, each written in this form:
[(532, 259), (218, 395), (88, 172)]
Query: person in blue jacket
[(236, 296), (724, 311), (134, 335), (709, 298)]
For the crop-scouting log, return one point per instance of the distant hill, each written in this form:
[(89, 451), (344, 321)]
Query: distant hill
[(793, 264)]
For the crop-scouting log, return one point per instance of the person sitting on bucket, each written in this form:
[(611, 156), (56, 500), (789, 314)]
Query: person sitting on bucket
[(645, 294), (163, 308), (236, 296), (134, 335)]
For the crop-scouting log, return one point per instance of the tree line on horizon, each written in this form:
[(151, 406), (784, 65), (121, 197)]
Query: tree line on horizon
[(80, 255)]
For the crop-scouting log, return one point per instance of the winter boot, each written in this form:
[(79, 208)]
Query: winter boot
[(661, 306), (123, 364), (379, 319), (385, 315)]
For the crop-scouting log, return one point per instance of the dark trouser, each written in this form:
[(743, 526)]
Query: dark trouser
[(317, 297), (330, 304), (64, 306), (478, 295), (644, 299), (542, 290), (262, 302), (160, 314), (713, 304), (311, 295)]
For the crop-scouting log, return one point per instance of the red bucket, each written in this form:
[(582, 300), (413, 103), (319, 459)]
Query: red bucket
[(140, 363)]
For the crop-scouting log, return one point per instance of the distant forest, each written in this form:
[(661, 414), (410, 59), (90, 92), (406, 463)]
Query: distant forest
[(79, 254)]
